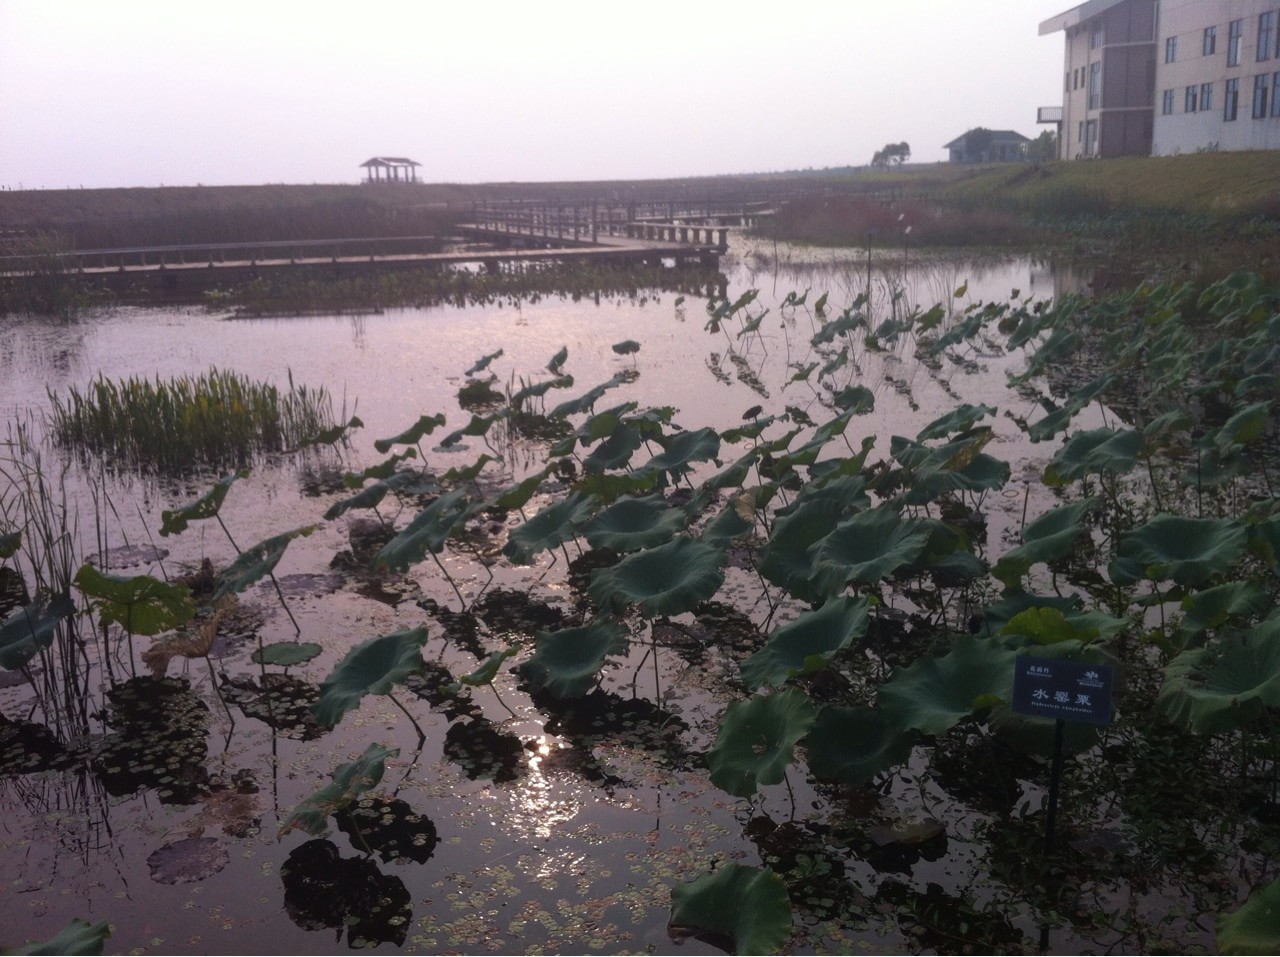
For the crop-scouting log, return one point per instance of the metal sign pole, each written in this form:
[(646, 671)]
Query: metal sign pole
[(1055, 780)]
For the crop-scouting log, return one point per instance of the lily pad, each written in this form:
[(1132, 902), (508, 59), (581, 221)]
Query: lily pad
[(286, 653), (187, 861), (748, 905)]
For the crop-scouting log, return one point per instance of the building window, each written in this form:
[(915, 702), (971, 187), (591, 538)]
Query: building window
[(1095, 85), (1190, 99), (1166, 102), (1231, 99), (1091, 138), (1210, 45), (1235, 37), (1095, 36), (1266, 25), (1170, 49), (1275, 94), (1261, 84), (1206, 96)]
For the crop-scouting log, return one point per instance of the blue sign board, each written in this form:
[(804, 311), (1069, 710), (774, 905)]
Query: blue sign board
[(1066, 690)]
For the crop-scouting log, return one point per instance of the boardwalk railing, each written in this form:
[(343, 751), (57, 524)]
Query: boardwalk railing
[(587, 223)]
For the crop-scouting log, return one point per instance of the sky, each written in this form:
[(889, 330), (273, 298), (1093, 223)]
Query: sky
[(109, 93)]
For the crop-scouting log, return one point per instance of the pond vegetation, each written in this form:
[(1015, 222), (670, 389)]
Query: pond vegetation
[(799, 629)]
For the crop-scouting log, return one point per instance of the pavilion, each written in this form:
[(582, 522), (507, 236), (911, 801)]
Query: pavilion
[(390, 169)]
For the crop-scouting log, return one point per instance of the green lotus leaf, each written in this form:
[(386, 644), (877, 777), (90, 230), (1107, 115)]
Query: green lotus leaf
[(947, 556), (427, 532), (1049, 626), (1093, 452), (32, 627), (999, 614), (681, 450), (857, 399), (1035, 735), (383, 470), (369, 497), (808, 643), (802, 373), (933, 694), (1049, 538), (481, 364), (626, 347), (597, 427), (1212, 690), (586, 401), (538, 389), (9, 544), (608, 488), (668, 580), (142, 605), (558, 360), (488, 669), (852, 396), (734, 475), (1191, 551), (752, 431), (425, 425), (788, 558), (206, 506), (1159, 428), (1047, 426), (1264, 542), (1213, 607), (749, 905), (566, 662), (757, 741), (847, 322), (855, 745), (614, 452), (286, 653), (1254, 928), (256, 562), (331, 436), (633, 523), (730, 523), (1213, 468), (465, 474), (549, 528), (371, 667), (78, 937), (477, 427), (865, 549), (960, 419), (1244, 428), (349, 781), (518, 495)]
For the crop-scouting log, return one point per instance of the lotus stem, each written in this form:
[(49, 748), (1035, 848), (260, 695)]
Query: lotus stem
[(417, 727), (444, 571)]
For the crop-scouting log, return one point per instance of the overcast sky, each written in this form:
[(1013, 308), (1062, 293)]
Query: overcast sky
[(132, 93)]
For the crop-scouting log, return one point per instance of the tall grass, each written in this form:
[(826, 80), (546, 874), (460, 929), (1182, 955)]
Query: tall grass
[(219, 418)]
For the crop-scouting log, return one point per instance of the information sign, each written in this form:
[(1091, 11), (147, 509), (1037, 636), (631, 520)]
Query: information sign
[(1063, 690)]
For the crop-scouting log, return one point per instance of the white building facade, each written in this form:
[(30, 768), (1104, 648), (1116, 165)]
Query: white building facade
[(1169, 76)]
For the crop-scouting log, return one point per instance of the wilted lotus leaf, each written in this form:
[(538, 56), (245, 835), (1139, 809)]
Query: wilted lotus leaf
[(854, 745), (1049, 538), (757, 741), (371, 667), (427, 532), (933, 694), (286, 653), (350, 780), (78, 937), (1094, 452), (667, 580), (1191, 551), (865, 549), (142, 605), (748, 905), (256, 562), (189, 860), (425, 425), (1255, 927), (549, 528), (632, 523), (207, 506), (567, 661), (808, 643), (1217, 689), (32, 627)]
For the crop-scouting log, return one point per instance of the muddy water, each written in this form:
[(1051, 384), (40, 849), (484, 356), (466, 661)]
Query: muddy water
[(542, 831)]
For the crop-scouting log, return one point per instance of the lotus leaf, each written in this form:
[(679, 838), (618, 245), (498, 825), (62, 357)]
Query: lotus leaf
[(587, 400), (1049, 626), (1049, 538), (808, 643), (608, 488), (426, 533), (558, 360), (632, 523), (286, 653), (1255, 927), (857, 399), (350, 780), (256, 562), (684, 448), (78, 937), (331, 436), (626, 347), (369, 497), (667, 580), (960, 419), (1093, 452), (461, 475), (1191, 551), (788, 558), (1212, 607), (734, 475), (998, 615), (735, 520), (1245, 427), (9, 544), (477, 427), (383, 470), (142, 605), (538, 389), (751, 431), (1212, 690), (31, 628), (1264, 541), (614, 452), (749, 905), (371, 667), (566, 662), (206, 506), (757, 741), (865, 549), (597, 427), (549, 528), (425, 425), (488, 669), (483, 362), (933, 694), (518, 495), (854, 745)]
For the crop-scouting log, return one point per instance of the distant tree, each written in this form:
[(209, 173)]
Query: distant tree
[(976, 142), (896, 153), (1043, 147)]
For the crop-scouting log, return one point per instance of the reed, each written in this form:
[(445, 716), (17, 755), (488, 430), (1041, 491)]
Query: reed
[(219, 418)]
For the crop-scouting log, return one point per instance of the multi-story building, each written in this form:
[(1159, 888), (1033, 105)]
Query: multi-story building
[(1169, 76)]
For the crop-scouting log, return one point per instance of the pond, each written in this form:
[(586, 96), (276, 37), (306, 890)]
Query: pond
[(519, 822)]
